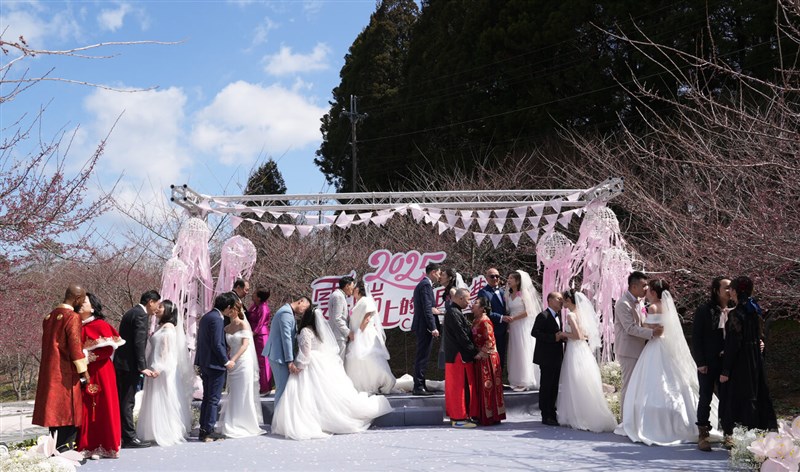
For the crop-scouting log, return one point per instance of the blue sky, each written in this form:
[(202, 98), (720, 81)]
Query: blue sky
[(249, 80)]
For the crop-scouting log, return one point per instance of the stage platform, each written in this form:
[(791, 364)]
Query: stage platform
[(412, 410)]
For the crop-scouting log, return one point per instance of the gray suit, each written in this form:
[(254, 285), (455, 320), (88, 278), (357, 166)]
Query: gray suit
[(630, 337), (280, 347), (337, 318)]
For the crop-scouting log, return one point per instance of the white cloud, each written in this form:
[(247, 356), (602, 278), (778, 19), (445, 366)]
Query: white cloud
[(285, 62), (261, 33), (246, 119), (37, 25), (146, 144), (113, 19), (312, 7)]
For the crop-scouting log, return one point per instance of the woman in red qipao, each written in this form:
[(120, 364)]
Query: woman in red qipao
[(488, 374), (100, 432)]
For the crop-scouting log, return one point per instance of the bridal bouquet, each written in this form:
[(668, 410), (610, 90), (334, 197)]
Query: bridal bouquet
[(42, 457), (768, 452)]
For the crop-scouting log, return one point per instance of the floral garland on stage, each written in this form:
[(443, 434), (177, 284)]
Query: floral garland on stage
[(43, 456)]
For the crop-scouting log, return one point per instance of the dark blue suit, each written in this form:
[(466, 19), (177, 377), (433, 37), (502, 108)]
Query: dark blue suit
[(423, 323), (211, 357), (498, 304)]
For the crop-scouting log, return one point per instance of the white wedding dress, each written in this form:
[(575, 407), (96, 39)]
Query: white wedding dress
[(367, 360), (522, 372), (321, 400), (241, 415), (661, 401), (581, 403), (161, 418)]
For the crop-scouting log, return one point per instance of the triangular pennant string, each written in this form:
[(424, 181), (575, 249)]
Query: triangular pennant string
[(287, 230), (556, 204), (499, 223), (501, 213), (514, 237), (459, 233), (518, 222), (304, 230), (482, 222), (521, 211), (442, 227), (495, 239), (478, 237)]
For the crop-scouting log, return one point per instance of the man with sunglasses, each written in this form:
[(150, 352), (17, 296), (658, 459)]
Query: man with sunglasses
[(494, 293)]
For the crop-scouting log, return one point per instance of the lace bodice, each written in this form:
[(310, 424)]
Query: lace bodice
[(516, 305)]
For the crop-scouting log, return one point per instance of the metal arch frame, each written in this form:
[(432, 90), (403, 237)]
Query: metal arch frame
[(189, 199)]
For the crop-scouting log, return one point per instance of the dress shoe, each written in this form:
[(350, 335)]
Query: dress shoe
[(421, 392), (550, 422), (462, 424), (211, 437), (136, 443)]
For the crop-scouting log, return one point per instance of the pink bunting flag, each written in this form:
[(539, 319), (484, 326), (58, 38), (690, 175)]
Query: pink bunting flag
[(365, 216), (501, 213), (450, 216), (304, 230), (478, 237), (442, 227), (268, 226), (287, 230), (518, 222), (276, 214), (467, 222), (495, 239), (236, 221), (459, 233), (566, 217), (534, 220), (482, 222), (514, 237), (538, 208), (322, 226), (380, 220), (466, 213), (521, 211), (574, 197), (484, 214), (259, 213), (344, 220), (416, 212), (533, 234)]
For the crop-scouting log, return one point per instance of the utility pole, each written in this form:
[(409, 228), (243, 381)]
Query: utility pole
[(355, 117)]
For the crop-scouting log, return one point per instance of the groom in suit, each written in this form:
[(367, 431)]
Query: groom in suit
[(500, 319), (130, 363), (281, 342), (425, 324), (549, 352), (212, 358), (629, 334), (337, 313)]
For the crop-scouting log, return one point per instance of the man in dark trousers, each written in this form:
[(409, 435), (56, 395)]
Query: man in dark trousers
[(459, 371), (212, 359), (131, 365), (549, 352), (708, 342), (425, 324)]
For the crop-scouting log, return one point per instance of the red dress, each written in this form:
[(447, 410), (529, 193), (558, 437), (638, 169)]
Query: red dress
[(488, 375), (101, 433)]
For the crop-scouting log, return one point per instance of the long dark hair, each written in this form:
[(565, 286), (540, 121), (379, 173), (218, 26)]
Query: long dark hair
[(96, 306), (659, 286), (170, 313), (263, 294), (716, 284), (451, 275), (309, 320)]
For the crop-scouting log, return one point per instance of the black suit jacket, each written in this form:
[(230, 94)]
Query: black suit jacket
[(424, 320), (133, 329), (458, 331), (707, 337), (548, 351), (498, 309)]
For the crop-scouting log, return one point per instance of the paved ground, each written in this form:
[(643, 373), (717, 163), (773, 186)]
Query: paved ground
[(520, 443), (15, 422)]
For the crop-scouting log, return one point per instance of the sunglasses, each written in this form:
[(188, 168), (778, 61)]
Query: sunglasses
[(494, 276)]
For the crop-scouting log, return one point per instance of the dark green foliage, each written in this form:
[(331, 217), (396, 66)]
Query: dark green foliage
[(266, 180)]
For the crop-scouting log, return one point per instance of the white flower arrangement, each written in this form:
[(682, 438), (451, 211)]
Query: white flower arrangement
[(43, 457), (767, 451)]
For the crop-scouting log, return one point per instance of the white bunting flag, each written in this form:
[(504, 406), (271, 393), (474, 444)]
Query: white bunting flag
[(235, 221), (442, 227), (287, 230), (556, 204), (416, 212), (482, 222), (501, 213), (479, 237), (365, 216), (259, 213), (459, 233), (466, 213), (514, 237), (322, 226), (574, 197), (344, 220), (450, 216), (311, 219), (499, 223), (268, 226), (495, 239), (533, 234), (484, 214), (538, 209), (518, 222), (566, 217), (380, 220), (534, 220), (521, 211), (467, 222), (276, 214)]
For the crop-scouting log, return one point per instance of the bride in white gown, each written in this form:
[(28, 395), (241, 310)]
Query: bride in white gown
[(241, 415), (321, 400), (367, 358), (164, 416), (581, 403), (661, 400), (523, 306)]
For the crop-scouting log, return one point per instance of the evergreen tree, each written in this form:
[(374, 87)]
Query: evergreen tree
[(266, 180), (373, 71)]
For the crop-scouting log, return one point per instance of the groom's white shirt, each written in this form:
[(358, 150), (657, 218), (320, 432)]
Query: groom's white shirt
[(629, 334)]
